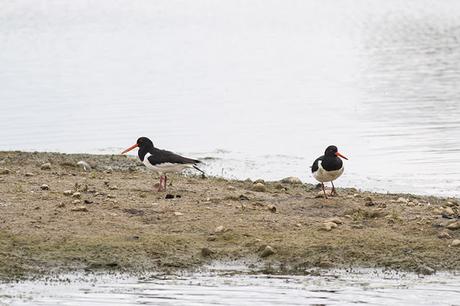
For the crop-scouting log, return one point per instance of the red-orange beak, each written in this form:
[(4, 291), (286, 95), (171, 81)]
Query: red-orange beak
[(340, 155), (130, 148)]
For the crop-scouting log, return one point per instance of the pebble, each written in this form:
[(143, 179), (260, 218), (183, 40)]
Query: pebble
[(111, 196), (68, 192), (328, 226), (5, 171), (402, 200), (76, 202), (80, 208), (291, 180), (29, 174), (455, 243), (449, 203), (169, 196), (206, 252), (219, 229), (259, 187), (76, 195), (298, 225), (84, 165), (454, 225), (437, 211), (44, 187), (444, 235), (267, 251), (176, 213), (335, 220), (368, 201), (272, 208), (425, 270), (320, 193), (46, 166), (449, 211), (61, 204), (113, 188)]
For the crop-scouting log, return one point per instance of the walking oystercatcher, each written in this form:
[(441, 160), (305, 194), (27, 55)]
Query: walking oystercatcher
[(161, 161), (328, 167)]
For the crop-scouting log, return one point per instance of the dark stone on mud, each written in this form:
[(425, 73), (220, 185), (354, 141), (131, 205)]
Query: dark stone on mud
[(206, 252), (44, 187), (169, 196), (88, 201), (425, 270), (134, 211), (268, 250), (242, 197)]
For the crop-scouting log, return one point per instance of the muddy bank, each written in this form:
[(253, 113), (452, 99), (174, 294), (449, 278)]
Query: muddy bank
[(57, 216)]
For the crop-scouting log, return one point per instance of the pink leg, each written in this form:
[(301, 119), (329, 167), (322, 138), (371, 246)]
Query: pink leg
[(165, 179), (161, 182)]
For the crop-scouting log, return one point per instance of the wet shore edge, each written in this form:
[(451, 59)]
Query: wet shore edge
[(80, 212)]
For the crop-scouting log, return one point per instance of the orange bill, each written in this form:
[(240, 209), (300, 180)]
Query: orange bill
[(130, 148), (340, 155)]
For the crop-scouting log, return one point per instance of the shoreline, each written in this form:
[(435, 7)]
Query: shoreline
[(57, 217)]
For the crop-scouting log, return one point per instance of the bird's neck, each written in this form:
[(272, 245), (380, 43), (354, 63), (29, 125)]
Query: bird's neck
[(142, 152)]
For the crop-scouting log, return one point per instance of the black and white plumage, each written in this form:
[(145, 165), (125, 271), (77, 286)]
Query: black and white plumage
[(328, 167), (161, 161)]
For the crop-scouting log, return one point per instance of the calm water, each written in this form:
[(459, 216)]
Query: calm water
[(263, 86), (366, 287)]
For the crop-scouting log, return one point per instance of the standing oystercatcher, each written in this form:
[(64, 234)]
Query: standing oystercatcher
[(328, 167), (161, 161)]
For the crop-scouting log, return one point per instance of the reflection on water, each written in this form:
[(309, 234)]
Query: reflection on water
[(259, 79), (229, 288)]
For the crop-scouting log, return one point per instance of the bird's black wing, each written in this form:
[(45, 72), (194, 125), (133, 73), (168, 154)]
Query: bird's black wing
[(315, 167), (162, 156)]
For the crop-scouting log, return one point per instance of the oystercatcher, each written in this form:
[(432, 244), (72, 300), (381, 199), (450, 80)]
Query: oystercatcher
[(328, 167), (161, 161)]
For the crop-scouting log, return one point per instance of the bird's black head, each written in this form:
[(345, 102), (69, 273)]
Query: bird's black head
[(333, 151), (144, 142)]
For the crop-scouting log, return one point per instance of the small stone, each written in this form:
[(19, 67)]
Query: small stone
[(291, 180), (176, 213), (425, 270), (46, 166), (451, 204), (169, 196), (61, 204), (86, 201), (84, 165), (44, 187), (454, 225), (298, 225), (328, 226), (357, 195), (76, 195), (113, 188), (29, 174), (80, 208), (111, 196), (335, 220), (4, 171), (455, 243), (368, 201), (206, 252), (211, 238), (242, 197), (402, 200), (448, 211), (267, 251), (272, 208), (231, 188), (76, 202), (444, 235), (261, 181), (68, 192), (260, 187), (219, 229), (438, 211), (320, 193)]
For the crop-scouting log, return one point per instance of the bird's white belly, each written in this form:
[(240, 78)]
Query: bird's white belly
[(322, 175), (165, 167)]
